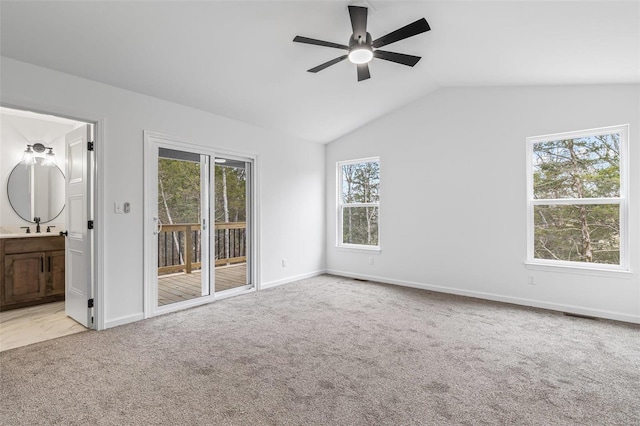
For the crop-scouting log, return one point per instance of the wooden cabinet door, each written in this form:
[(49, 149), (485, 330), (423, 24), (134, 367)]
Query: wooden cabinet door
[(24, 277), (55, 272)]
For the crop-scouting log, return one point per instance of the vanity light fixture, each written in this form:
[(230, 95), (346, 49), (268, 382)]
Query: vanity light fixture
[(49, 158), (29, 157)]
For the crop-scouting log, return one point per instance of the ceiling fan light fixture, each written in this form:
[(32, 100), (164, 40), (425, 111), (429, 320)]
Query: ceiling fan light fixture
[(361, 54), (361, 44)]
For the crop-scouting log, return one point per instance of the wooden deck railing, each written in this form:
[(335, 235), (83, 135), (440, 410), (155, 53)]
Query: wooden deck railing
[(179, 246)]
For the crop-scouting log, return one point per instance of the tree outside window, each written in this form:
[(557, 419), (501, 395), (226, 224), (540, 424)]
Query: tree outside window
[(358, 201), (577, 201)]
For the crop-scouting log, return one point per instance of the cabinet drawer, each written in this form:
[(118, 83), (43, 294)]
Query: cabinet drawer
[(28, 245)]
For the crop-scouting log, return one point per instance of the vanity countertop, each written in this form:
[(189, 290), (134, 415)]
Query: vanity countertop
[(25, 235)]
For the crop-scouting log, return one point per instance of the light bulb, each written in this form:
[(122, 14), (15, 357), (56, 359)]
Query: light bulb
[(28, 158), (361, 54), (50, 159)]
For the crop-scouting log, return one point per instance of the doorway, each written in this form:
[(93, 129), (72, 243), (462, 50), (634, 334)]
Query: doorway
[(45, 283), (199, 228)]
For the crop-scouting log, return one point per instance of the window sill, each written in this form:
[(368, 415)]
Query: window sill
[(577, 269), (362, 249)]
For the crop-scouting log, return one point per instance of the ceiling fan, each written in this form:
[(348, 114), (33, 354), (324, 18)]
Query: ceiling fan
[(361, 46)]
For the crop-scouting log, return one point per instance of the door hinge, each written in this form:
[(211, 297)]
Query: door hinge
[(90, 224), (91, 320), (90, 146), (90, 303)]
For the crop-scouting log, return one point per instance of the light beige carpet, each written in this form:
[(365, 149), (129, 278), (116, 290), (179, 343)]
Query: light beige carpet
[(330, 350)]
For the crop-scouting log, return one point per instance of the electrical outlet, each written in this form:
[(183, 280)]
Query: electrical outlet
[(532, 280), (284, 263)]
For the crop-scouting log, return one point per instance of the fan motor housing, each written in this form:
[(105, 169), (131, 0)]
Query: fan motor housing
[(354, 41)]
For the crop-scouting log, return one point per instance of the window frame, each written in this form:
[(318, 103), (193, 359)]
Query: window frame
[(621, 200), (340, 207)]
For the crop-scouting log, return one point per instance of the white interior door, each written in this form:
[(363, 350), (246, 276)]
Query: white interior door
[(79, 236)]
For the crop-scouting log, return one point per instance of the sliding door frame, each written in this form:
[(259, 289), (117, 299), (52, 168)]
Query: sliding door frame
[(151, 142), (252, 235)]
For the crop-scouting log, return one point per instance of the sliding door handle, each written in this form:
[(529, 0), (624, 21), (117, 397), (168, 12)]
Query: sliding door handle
[(158, 226)]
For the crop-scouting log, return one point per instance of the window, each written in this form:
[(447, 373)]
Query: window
[(358, 203), (577, 202)]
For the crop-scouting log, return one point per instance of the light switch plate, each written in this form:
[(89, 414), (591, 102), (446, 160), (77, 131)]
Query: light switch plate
[(117, 208)]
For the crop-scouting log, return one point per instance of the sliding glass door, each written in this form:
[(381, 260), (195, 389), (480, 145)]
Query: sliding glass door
[(231, 239), (198, 224), (182, 207)]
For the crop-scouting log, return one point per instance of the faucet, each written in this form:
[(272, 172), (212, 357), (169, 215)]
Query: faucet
[(27, 228), (37, 221)]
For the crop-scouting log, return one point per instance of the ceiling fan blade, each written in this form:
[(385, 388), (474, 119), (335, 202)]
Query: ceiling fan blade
[(307, 40), (363, 72), (328, 64), (358, 22), (420, 26), (399, 58)]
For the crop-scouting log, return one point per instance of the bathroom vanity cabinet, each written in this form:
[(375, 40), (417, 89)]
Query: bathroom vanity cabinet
[(31, 270)]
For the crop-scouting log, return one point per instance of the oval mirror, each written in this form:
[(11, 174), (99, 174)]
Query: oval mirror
[(36, 191)]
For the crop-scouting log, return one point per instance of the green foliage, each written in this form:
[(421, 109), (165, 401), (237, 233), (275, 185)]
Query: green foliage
[(361, 182), (179, 181), (360, 225), (236, 189), (558, 233), (579, 168)]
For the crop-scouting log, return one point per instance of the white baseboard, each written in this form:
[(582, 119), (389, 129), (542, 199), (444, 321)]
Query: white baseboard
[(123, 320), (264, 286), (497, 298), (140, 316)]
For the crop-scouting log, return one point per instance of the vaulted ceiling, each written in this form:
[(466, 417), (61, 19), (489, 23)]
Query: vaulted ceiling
[(237, 58)]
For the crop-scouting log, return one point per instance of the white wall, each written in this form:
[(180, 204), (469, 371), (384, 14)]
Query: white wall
[(291, 176), (16, 132), (453, 195)]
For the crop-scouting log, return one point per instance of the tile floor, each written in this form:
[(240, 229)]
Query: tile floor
[(21, 327)]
